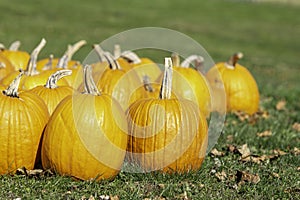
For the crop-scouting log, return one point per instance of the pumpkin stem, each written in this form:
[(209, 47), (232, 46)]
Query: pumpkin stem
[(31, 67), (234, 59), (106, 56), (166, 86), (2, 47), (48, 65), (196, 59), (89, 84), (15, 46), (52, 80), (117, 51), (12, 89), (71, 50), (175, 59), (127, 55), (147, 85)]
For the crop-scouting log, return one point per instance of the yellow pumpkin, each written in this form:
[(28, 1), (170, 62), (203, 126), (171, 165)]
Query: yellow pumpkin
[(18, 59), (190, 84), (86, 136), (32, 77), (240, 86), (166, 134), (23, 118), (142, 66), (51, 93), (5, 67), (116, 82)]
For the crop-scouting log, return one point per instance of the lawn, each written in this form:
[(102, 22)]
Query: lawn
[(267, 34)]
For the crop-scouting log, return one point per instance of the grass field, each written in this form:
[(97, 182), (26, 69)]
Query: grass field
[(267, 34)]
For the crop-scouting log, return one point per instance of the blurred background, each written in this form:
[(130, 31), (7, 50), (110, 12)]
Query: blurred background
[(267, 32)]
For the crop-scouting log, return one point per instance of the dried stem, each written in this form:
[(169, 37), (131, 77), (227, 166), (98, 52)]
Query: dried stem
[(147, 85), (31, 67), (106, 56), (196, 60), (12, 89), (175, 59), (89, 84), (234, 59), (48, 65), (166, 86), (52, 80), (15, 46)]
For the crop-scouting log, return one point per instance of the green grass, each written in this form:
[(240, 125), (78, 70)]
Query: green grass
[(267, 33)]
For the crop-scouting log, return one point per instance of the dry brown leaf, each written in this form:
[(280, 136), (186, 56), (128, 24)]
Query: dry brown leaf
[(229, 138), (102, 197), (278, 152), (221, 176), (243, 177), (244, 150), (215, 152), (91, 197), (26, 172), (114, 197), (264, 133), (280, 105), (242, 115), (296, 151), (296, 126), (231, 148), (258, 159), (275, 175), (298, 168)]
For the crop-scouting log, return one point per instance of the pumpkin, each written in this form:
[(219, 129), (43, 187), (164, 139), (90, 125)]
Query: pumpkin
[(240, 86), (86, 136), (18, 59), (23, 118), (5, 67), (166, 134), (32, 77), (142, 66), (51, 93), (190, 84), (117, 82)]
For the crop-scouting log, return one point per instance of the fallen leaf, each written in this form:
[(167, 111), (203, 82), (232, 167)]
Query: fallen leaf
[(275, 175), (298, 168), (264, 133), (114, 197), (231, 148), (103, 197), (296, 126), (229, 138), (279, 152), (242, 115), (215, 152), (221, 176), (296, 151), (281, 105), (243, 177), (258, 159), (26, 172), (91, 197), (244, 150)]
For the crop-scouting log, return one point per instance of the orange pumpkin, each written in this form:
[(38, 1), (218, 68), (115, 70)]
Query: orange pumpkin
[(23, 118), (96, 126), (18, 59), (51, 93), (240, 87), (166, 134)]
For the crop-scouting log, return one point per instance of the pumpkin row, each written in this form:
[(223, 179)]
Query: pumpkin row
[(164, 127)]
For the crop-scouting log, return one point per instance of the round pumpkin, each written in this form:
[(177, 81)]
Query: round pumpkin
[(51, 93), (17, 58), (240, 86), (190, 84), (166, 134), (23, 118), (86, 136)]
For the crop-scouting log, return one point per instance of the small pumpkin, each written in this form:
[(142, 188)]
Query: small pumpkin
[(18, 58), (5, 67), (166, 134), (86, 136), (51, 93), (240, 87), (23, 118)]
